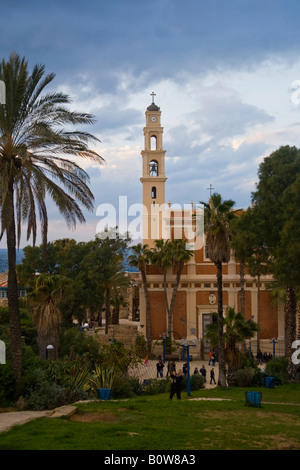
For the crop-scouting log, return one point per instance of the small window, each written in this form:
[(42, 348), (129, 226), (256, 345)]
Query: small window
[(153, 142), (153, 192)]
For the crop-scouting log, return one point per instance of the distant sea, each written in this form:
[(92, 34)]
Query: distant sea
[(4, 259), (20, 254)]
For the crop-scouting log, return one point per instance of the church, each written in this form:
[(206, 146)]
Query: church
[(196, 298)]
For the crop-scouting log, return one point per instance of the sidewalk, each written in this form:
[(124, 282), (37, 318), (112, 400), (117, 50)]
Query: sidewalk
[(13, 418), (144, 372)]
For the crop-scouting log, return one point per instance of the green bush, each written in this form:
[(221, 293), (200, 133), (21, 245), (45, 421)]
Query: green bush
[(277, 367), (155, 386), (73, 342), (197, 382), (244, 377), (39, 393), (7, 384), (141, 346), (42, 389), (126, 387)]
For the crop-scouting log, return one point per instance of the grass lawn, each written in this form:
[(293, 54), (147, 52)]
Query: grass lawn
[(220, 421)]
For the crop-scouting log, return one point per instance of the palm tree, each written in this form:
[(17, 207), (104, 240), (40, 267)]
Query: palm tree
[(117, 301), (237, 329), (250, 249), (49, 293), (113, 277), (217, 215), (160, 256), (35, 151), (173, 254), (139, 259)]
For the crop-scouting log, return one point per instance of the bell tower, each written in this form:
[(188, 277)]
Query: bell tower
[(153, 178)]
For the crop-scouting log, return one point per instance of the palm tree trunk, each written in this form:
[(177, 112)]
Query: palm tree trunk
[(148, 312), (107, 310), (290, 328), (242, 284), (174, 293), (258, 315), (221, 347), (13, 300), (169, 314)]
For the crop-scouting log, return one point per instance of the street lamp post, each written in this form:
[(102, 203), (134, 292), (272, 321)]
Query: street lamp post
[(164, 348), (274, 341), (48, 349), (252, 316), (184, 344)]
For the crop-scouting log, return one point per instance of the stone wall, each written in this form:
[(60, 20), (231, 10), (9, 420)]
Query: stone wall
[(125, 334)]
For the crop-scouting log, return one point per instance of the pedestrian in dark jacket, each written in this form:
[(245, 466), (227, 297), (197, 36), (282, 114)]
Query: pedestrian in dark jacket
[(176, 384), (212, 376)]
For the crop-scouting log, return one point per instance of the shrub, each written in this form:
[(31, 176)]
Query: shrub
[(126, 387), (155, 386), (244, 377), (141, 346), (197, 382), (7, 384), (39, 393), (73, 342), (277, 367)]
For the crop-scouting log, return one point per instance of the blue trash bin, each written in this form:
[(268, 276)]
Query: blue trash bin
[(270, 382), (253, 398), (104, 393)]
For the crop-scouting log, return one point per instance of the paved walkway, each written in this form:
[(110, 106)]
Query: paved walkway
[(13, 418), (149, 371)]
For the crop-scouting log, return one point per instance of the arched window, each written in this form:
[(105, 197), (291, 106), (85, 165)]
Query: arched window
[(153, 192), (153, 168), (153, 142)]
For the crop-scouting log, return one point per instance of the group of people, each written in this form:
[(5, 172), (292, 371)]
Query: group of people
[(203, 372), (177, 377), (177, 380), (263, 357)]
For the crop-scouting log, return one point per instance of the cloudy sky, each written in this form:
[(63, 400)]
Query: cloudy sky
[(226, 74)]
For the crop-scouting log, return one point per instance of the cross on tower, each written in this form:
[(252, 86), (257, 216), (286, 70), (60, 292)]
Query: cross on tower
[(210, 188), (152, 94)]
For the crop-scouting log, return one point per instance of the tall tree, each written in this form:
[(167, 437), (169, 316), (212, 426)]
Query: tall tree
[(139, 258), (171, 254), (236, 330), (50, 291), (249, 247), (217, 216), (276, 199), (35, 151), (105, 270)]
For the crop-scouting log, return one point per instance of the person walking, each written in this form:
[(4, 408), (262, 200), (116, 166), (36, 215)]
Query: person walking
[(158, 369), (176, 384), (203, 372), (161, 369), (212, 376), (168, 368), (210, 357)]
